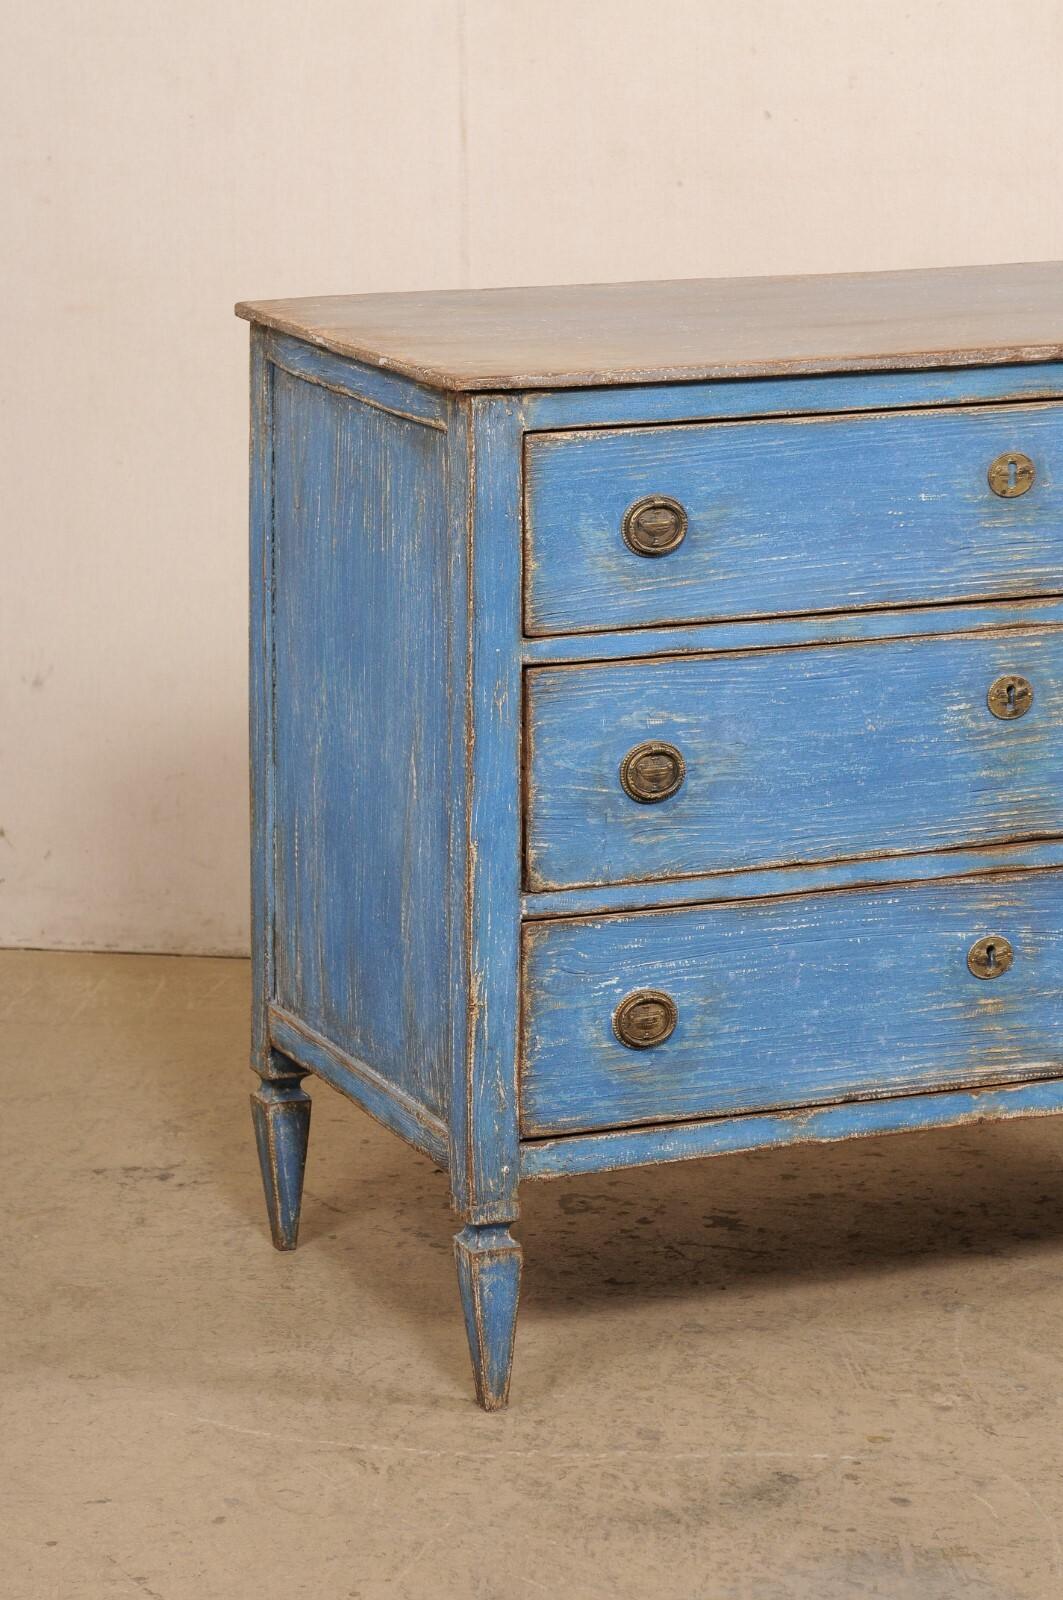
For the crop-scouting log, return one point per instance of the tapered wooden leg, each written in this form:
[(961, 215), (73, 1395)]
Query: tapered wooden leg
[(489, 1280), (280, 1108)]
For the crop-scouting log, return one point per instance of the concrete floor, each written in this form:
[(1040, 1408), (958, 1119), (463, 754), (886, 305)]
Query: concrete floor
[(812, 1375)]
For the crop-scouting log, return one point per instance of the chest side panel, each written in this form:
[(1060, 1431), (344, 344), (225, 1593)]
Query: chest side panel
[(794, 755), (799, 515), (362, 751)]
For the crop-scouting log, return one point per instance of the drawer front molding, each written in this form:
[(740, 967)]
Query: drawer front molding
[(800, 515)]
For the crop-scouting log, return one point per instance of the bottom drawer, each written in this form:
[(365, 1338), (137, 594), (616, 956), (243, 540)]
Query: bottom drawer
[(790, 1002)]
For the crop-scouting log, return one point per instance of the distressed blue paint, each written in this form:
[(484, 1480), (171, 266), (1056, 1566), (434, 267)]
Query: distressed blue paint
[(361, 550), (800, 515), (779, 632), (485, 1188), (752, 884), (765, 397), (791, 1002), (356, 1079), (489, 1263), (370, 384), (638, 1147), (794, 755), (280, 1112)]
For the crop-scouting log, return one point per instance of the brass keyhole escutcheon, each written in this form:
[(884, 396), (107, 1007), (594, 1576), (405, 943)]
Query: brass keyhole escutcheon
[(990, 956), (645, 1018), (1010, 696), (652, 771), (1011, 474), (654, 526)]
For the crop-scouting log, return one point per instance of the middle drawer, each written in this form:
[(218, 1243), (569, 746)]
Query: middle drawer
[(674, 767)]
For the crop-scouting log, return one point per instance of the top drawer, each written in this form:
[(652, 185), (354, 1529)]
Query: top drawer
[(805, 514)]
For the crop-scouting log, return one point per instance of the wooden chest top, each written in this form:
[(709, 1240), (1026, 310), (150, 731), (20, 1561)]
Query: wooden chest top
[(698, 328)]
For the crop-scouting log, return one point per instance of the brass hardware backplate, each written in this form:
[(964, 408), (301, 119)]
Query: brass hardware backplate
[(990, 956), (1010, 696), (654, 526), (652, 771), (1011, 474), (645, 1018)]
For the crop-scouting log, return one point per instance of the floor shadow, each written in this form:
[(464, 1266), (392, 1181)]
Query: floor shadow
[(810, 1213), (771, 1218)]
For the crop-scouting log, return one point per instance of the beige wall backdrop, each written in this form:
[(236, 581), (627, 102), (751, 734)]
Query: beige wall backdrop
[(161, 160)]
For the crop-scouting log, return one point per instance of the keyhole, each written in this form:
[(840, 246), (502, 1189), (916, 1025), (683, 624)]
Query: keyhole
[(990, 957), (1010, 696), (1011, 473)]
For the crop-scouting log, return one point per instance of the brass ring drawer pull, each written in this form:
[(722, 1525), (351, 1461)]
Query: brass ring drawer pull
[(645, 1018), (1010, 696), (654, 526), (1011, 474), (991, 956), (652, 771)]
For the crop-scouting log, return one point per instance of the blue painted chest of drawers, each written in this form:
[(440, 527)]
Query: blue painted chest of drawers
[(657, 695)]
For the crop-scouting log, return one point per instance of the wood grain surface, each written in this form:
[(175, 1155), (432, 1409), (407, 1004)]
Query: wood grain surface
[(560, 337)]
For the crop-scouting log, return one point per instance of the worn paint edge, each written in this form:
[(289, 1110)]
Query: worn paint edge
[(360, 1083), (636, 1147), (396, 396)]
